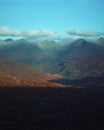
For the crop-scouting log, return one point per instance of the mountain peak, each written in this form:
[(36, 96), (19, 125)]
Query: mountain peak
[(100, 41), (9, 40), (101, 38), (81, 42)]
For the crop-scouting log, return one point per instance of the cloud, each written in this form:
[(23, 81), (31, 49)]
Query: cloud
[(84, 33), (6, 31), (39, 33)]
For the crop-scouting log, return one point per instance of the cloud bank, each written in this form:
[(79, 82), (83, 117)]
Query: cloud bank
[(6, 31), (84, 33), (76, 33)]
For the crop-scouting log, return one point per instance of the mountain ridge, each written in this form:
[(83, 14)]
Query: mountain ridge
[(79, 58)]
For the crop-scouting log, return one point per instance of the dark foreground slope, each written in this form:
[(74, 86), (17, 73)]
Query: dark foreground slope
[(90, 82), (51, 109)]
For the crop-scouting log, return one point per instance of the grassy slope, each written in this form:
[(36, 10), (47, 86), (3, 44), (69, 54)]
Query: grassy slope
[(13, 74)]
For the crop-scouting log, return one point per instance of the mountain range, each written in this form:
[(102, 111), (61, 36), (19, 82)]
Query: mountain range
[(71, 59), (81, 59)]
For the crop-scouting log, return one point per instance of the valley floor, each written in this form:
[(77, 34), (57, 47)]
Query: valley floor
[(51, 109)]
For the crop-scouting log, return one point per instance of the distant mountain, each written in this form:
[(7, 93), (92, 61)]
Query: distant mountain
[(74, 59), (52, 48), (9, 40), (23, 52), (81, 59), (38, 53), (4, 43), (99, 41)]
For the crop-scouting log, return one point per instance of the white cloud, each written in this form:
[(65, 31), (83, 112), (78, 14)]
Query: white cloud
[(76, 33), (39, 33), (84, 33), (6, 31)]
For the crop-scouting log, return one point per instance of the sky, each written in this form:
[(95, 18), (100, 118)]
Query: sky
[(55, 18)]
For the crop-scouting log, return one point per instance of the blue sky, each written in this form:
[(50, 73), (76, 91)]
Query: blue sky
[(56, 17)]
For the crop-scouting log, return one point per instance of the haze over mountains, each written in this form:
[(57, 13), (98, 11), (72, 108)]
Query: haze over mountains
[(72, 59)]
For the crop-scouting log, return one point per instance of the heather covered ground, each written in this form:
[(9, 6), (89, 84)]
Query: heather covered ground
[(51, 108)]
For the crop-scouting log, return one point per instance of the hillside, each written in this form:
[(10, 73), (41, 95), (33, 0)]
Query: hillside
[(99, 41), (13, 74), (21, 51), (81, 59)]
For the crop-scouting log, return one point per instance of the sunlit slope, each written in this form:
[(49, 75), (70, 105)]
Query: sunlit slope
[(13, 74)]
